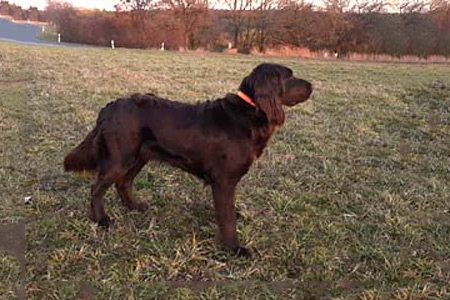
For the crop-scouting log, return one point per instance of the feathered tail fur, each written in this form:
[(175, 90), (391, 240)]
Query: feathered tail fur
[(85, 156)]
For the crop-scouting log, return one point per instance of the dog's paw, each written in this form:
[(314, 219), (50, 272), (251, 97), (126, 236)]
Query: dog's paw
[(105, 222), (242, 252), (141, 206)]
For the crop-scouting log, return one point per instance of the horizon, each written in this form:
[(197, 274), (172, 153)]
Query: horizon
[(109, 5), (89, 4)]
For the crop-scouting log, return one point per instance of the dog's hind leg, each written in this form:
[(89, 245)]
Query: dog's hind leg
[(105, 179), (124, 187), (97, 209)]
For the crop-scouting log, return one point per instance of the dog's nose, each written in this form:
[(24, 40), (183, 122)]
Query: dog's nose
[(309, 88)]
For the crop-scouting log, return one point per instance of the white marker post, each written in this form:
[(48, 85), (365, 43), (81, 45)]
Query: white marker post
[(229, 45), (59, 38), (162, 46), (43, 28), (112, 44)]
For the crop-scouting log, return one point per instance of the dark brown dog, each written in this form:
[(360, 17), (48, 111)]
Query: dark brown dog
[(217, 141)]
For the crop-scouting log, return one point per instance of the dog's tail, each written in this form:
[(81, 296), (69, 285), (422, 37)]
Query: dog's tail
[(85, 156)]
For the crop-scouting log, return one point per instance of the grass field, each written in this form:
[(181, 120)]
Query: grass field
[(349, 201)]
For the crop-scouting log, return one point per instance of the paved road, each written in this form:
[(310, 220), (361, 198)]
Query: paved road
[(25, 33)]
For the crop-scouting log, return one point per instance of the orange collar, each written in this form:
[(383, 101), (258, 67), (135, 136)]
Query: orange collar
[(246, 98)]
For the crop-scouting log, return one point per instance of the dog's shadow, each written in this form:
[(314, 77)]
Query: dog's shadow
[(202, 213), (196, 216)]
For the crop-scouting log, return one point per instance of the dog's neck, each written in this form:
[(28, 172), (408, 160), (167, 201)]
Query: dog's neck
[(246, 98), (251, 119)]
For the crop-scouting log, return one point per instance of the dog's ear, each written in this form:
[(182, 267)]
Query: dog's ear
[(268, 98), (265, 87)]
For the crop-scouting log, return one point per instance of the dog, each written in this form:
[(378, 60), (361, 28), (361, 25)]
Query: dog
[(217, 141)]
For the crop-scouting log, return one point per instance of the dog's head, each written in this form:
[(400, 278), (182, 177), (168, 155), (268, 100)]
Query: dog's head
[(270, 86)]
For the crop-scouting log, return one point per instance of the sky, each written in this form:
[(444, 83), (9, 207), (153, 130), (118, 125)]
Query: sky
[(41, 4)]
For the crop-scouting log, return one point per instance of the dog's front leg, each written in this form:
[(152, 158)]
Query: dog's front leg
[(225, 211)]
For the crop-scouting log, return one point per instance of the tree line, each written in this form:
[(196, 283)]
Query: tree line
[(412, 27), (17, 13)]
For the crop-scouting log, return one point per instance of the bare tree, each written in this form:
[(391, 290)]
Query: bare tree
[(440, 5), (239, 18), (139, 11), (4, 8), (369, 6), (417, 6), (336, 25), (264, 18), (440, 12), (190, 14), (294, 24), (32, 14), (336, 6), (57, 11), (134, 5), (16, 12), (410, 6)]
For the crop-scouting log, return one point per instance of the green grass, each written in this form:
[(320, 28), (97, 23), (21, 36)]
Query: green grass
[(349, 201)]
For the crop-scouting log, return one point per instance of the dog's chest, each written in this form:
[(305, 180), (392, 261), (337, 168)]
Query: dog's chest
[(260, 140)]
